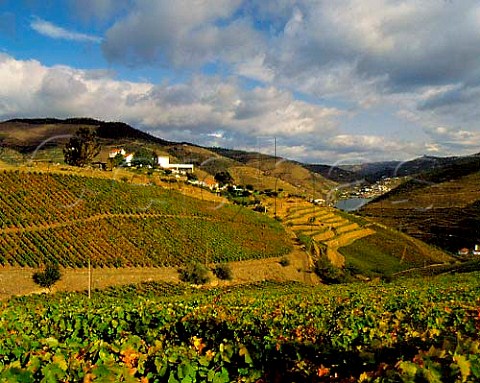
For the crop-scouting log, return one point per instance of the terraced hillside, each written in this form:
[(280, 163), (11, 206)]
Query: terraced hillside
[(359, 245), (73, 219), (326, 227)]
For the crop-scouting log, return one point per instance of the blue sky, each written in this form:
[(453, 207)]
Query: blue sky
[(333, 81)]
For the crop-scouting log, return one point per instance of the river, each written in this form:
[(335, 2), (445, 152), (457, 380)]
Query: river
[(351, 204)]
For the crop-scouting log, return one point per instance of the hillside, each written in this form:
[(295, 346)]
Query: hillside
[(335, 173), (441, 207), (72, 219), (306, 183), (26, 135), (43, 139), (355, 244), (375, 171)]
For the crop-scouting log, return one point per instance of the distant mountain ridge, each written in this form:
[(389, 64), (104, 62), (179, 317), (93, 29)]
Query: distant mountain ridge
[(334, 173), (375, 171), (259, 170), (105, 130)]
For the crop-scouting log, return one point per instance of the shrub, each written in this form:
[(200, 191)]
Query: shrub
[(285, 261), (48, 277), (194, 272), (223, 272), (328, 272)]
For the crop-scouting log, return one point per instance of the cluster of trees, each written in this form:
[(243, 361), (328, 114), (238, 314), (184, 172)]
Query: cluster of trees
[(144, 157), (82, 148), (198, 273)]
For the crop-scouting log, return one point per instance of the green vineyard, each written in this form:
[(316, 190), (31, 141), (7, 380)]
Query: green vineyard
[(414, 331), (72, 219)]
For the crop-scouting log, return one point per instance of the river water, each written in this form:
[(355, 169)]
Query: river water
[(351, 204)]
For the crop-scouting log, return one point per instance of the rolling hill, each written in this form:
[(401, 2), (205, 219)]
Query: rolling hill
[(43, 139), (334, 173), (27, 134), (372, 172), (270, 168), (349, 242), (440, 206), (358, 245)]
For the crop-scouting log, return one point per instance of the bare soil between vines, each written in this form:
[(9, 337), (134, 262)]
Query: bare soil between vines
[(18, 280)]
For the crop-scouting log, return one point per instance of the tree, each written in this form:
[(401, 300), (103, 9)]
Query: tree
[(223, 271), (82, 148), (223, 178), (195, 273), (192, 177), (117, 161), (144, 157), (48, 277), (328, 272)]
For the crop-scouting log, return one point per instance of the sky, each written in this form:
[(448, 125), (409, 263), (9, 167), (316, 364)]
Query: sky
[(335, 82)]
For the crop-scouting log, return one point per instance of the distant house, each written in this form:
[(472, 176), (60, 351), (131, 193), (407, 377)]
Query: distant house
[(476, 250), (205, 183), (463, 251), (127, 157), (211, 184), (164, 162), (114, 152)]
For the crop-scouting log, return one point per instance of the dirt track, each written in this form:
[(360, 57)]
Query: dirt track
[(18, 280)]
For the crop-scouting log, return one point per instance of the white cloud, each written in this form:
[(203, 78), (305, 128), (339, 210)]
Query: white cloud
[(415, 65), (374, 147), (212, 111), (189, 34), (365, 54), (205, 110), (48, 29)]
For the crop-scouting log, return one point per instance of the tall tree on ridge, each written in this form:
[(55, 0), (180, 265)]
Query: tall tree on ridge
[(82, 148)]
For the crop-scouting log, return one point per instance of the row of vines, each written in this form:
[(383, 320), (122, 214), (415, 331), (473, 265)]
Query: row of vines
[(419, 330), (142, 241), (72, 220), (32, 199)]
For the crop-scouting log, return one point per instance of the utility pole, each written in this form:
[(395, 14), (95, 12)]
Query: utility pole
[(89, 278), (313, 201), (276, 178)]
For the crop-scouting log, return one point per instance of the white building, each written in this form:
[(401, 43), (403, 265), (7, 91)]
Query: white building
[(127, 157), (476, 250), (164, 162), (114, 152)]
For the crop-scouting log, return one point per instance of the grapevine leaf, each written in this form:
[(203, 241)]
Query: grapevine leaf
[(244, 352), (464, 365), (221, 376), (408, 368)]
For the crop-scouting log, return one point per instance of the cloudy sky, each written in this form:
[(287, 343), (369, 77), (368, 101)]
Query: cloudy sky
[(334, 81)]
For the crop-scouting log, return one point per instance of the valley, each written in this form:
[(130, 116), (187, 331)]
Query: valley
[(247, 191), (306, 285)]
